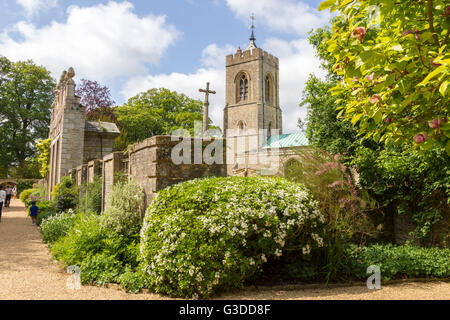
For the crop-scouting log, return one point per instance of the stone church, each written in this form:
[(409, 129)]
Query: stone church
[(252, 116), (252, 134)]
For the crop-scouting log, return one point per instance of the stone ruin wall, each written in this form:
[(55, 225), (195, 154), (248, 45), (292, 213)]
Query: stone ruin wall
[(149, 162)]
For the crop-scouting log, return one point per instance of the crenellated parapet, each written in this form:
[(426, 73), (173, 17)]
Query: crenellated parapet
[(250, 55)]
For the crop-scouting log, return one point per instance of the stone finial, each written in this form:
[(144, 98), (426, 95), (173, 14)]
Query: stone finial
[(239, 51), (63, 77), (70, 73)]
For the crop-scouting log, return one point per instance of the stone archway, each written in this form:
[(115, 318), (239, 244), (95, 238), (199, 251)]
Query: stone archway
[(10, 182)]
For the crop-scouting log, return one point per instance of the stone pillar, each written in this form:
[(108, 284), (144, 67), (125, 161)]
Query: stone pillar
[(110, 167), (94, 169)]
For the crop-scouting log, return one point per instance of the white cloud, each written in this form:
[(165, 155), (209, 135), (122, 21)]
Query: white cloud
[(296, 58), (31, 7), (297, 62), (213, 58), (281, 15), (100, 42)]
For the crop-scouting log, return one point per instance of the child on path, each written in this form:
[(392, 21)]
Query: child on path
[(34, 211)]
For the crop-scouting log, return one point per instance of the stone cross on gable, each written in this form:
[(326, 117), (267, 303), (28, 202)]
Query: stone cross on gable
[(207, 92)]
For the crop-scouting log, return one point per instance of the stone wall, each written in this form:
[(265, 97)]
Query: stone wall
[(151, 165)]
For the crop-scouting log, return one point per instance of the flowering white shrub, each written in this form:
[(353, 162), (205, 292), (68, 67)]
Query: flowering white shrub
[(57, 226), (207, 235)]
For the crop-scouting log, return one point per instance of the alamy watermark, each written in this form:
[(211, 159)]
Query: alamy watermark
[(74, 281), (242, 148), (374, 281)]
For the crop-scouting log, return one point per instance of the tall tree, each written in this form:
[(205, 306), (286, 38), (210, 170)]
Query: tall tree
[(158, 112), (394, 60), (26, 95), (323, 129)]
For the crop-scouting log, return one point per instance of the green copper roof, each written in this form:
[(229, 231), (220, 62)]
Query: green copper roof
[(287, 141)]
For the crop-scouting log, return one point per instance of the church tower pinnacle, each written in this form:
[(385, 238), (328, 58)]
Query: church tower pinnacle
[(252, 44)]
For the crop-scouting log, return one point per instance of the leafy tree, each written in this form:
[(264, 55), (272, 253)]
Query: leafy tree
[(394, 62), (26, 95), (401, 179), (322, 128), (97, 100), (158, 112), (43, 157)]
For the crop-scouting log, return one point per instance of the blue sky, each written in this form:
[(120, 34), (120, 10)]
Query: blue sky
[(132, 46)]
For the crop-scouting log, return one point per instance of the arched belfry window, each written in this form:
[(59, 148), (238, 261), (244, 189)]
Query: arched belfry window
[(268, 88), (243, 88)]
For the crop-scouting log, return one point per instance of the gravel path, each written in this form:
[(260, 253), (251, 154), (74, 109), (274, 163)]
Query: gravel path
[(27, 272)]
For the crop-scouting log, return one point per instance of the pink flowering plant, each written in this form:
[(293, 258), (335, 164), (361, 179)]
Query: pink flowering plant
[(393, 60), (208, 235)]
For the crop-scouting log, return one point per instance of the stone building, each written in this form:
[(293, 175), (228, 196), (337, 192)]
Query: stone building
[(74, 140), (252, 120)]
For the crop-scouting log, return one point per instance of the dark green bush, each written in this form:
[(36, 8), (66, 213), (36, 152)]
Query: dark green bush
[(65, 195), (396, 262), (207, 235)]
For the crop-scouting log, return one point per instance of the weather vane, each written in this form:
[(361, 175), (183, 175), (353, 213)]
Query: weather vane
[(252, 17)]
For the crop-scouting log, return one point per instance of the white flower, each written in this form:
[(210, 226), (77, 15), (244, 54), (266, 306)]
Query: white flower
[(306, 250), (278, 252)]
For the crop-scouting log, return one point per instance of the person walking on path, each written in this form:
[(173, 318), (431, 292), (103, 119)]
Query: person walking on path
[(14, 192), (2, 200), (34, 210), (8, 191)]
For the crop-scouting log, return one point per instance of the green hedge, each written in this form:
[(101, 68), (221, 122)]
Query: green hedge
[(398, 262), (208, 235)]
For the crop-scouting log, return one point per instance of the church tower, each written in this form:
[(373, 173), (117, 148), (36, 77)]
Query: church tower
[(252, 108)]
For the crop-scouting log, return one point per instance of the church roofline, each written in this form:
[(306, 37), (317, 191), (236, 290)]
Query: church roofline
[(247, 55)]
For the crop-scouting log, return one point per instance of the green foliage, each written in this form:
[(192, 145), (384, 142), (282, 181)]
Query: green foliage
[(92, 196), (100, 269), (26, 95), (124, 207), (132, 281), (101, 254), (207, 235), (395, 69), (26, 169), (25, 195), (56, 226), (43, 147), (157, 112), (415, 183), (23, 185), (323, 129), (400, 261), (65, 195)]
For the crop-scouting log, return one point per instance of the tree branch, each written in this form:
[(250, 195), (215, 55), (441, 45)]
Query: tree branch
[(431, 23)]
